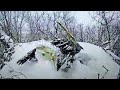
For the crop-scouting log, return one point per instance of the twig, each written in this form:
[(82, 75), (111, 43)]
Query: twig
[(105, 72), (16, 72), (105, 68), (21, 74), (98, 75), (118, 77), (1, 76), (15, 76)]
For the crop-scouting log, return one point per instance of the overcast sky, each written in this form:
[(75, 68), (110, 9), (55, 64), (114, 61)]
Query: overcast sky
[(83, 17)]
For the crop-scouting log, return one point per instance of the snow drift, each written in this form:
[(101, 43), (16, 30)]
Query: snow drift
[(91, 63)]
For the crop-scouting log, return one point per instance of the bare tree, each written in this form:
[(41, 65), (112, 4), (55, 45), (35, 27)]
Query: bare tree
[(12, 23), (105, 19), (79, 34)]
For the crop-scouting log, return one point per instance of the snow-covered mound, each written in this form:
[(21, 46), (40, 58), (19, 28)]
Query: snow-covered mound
[(94, 61)]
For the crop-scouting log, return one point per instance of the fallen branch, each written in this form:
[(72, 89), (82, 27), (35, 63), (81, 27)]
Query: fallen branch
[(114, 59), (30, 55)]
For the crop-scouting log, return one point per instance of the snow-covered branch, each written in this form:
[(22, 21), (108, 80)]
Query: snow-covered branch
[(5, 39), (8, 48)]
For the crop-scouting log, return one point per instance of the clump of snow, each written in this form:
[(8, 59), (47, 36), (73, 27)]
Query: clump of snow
[(7, 38), (98, 59), (93, 57)]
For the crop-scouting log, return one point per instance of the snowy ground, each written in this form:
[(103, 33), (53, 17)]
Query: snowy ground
[(95, 61)]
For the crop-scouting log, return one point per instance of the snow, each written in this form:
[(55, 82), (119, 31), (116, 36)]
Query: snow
[(93, 58), (113, 55), (7, 38), (99, 58), (106, 42)]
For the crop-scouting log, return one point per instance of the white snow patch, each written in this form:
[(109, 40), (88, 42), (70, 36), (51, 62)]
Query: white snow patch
[(94, 59)]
